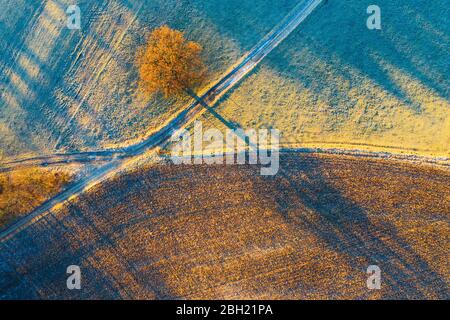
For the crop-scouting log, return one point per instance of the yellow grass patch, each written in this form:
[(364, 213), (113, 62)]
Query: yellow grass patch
[(23, 189)]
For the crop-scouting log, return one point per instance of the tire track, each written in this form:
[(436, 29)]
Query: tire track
[(181, 120)]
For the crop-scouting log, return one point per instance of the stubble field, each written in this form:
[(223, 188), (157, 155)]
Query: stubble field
[(226, 232), (336, 84)]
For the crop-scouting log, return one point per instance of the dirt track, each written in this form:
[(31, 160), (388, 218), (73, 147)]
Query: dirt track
[(180, 120), (226, 232)]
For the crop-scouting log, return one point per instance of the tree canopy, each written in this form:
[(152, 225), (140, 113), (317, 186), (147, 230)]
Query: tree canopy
[(169, 63)]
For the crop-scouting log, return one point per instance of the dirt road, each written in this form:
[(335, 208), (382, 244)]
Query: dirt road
[(246, 64)]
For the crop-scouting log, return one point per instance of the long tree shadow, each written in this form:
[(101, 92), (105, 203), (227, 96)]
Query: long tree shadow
[(347, 229), (35, 260)]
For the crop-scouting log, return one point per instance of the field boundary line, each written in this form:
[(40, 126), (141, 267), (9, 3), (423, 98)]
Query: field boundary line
[(249, 61)]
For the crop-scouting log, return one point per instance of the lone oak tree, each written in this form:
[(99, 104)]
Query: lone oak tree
[(170, 64)]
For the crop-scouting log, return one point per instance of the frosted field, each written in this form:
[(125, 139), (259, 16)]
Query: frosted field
[(141, 227), (335, 83), (65, 90)]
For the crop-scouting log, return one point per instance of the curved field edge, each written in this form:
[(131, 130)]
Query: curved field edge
[(350, 87), (191, 232)]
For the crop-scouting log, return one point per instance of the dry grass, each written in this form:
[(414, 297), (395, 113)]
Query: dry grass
[(80, 89), (226, 232), (23, 189), (334, 83)]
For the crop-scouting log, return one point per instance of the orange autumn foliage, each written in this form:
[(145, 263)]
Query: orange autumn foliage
[(169, 63)]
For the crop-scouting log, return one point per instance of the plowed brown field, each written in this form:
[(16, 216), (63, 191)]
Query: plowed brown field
[(227, 232)]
